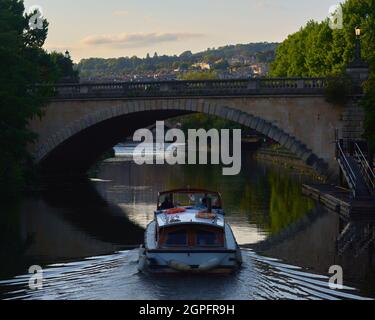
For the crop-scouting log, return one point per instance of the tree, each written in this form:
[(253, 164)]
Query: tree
[(316, 50), (23, 64), (64, 67), (186, 55), (221, 65), (199, 75)]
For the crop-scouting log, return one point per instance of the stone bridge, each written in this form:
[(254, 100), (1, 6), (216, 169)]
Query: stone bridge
[(84, 120)]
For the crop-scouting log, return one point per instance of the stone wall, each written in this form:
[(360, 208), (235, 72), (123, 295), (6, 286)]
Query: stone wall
[(303, 124), (353, 121)]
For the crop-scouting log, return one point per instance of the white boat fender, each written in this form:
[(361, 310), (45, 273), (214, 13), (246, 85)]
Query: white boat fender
[(179, 266), (209, 265)]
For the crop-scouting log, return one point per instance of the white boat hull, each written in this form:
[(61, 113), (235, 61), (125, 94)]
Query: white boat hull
[(192, 262), (226, 260)]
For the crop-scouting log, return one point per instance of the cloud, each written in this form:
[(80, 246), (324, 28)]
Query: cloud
[(122, 13), (134, 40)]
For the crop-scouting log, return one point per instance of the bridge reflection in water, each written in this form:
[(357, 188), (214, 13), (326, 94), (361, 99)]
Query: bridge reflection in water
[(66, 226)]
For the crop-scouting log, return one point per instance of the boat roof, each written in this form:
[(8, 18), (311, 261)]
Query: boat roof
[(189, 217)]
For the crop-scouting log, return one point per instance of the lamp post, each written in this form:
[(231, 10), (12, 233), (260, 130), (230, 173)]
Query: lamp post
[(358, 44), (67, 54), (358, 69)]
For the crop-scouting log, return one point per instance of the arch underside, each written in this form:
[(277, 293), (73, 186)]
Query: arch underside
[(73, 149)]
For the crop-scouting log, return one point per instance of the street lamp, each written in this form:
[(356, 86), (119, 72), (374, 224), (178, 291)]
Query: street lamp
[(358, 69), (358, 31), (358, 44), (67, 54)]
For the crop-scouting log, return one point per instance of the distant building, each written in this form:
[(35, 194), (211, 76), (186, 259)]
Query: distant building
[(241, 72), (236, 60), (260, 69), (202, 66), (181, 69), (242, 60)]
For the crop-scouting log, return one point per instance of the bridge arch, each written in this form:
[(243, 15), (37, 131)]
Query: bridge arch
[(63, 146)]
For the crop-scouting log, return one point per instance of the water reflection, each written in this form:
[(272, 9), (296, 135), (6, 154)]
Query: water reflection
[(262, 200), (64, 222), (13, 243), (67, 224), (322, 239)]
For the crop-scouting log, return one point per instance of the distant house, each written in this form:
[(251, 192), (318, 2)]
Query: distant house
[(236, 60), (202, 66), (241, 72), (182, 69), (260, 69), (250, 60)]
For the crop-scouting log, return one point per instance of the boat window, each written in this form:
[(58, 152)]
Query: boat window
[(186, 199), (176, 239), (166, 202), (207, 238), (212, 199)]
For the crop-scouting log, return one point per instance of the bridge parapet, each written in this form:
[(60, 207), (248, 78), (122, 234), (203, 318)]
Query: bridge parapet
[(241, 87)]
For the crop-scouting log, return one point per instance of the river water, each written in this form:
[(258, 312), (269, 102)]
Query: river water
[(83, 235)]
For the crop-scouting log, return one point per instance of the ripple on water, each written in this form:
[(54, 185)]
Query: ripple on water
[(116, 277)]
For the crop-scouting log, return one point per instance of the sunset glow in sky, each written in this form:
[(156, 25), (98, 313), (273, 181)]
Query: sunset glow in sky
[(114, 28)]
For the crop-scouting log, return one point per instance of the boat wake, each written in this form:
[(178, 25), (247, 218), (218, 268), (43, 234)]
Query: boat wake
[(116, 277)]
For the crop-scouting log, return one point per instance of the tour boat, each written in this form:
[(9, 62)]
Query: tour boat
[(189, 234)]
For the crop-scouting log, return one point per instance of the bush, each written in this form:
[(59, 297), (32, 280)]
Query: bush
[(338, 90)]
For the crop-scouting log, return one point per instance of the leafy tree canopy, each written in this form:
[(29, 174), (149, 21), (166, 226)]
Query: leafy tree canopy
[(317, 50), (24, 64)]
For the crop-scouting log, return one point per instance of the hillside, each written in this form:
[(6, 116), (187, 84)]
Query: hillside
[(164, 66)]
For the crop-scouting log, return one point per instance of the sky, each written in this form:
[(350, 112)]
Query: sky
[(118, 28)]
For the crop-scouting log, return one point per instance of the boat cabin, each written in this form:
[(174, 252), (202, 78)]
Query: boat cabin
[(189, 219), (189, 236)]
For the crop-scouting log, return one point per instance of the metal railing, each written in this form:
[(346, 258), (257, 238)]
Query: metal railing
[(258, 86), (357, 236), (346, 168), (366, 170)]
